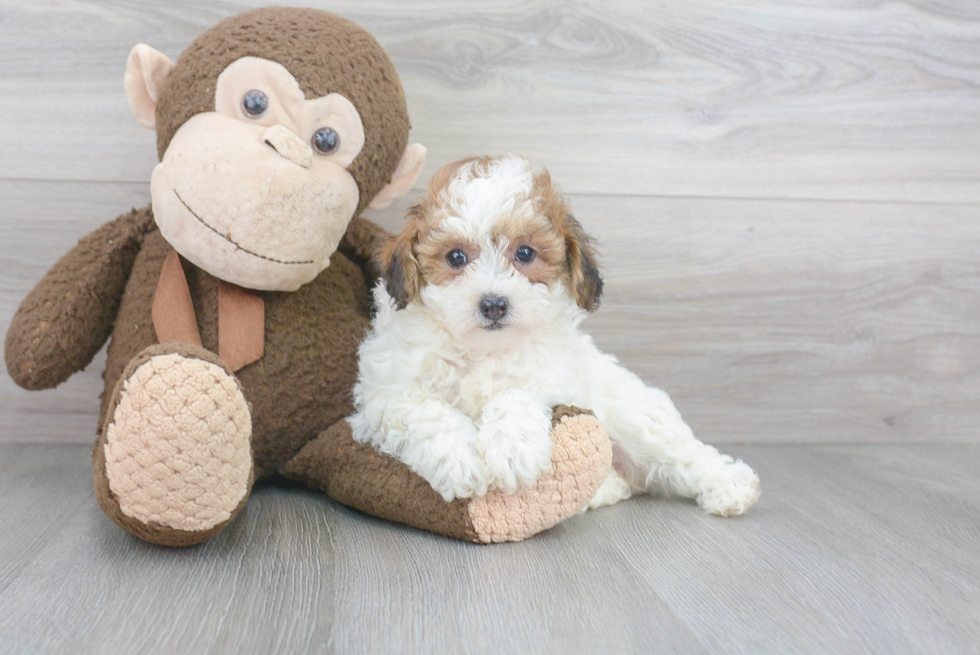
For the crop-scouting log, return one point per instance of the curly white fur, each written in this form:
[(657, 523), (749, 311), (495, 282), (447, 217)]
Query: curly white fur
[(468, 408)]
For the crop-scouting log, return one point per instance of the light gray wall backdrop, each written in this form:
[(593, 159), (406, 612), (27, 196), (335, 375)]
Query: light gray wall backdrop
[(787, 198)]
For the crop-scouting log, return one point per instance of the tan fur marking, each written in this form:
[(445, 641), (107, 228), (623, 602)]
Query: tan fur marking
[(539, 232), (583, 273), (580, 273), (417, 257), (432, 251), (399, 266)]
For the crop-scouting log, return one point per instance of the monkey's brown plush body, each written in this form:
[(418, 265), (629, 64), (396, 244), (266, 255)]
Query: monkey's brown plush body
[(253, 380)]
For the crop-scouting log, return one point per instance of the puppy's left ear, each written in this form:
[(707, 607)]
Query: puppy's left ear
[(584, 275), (399, 266)]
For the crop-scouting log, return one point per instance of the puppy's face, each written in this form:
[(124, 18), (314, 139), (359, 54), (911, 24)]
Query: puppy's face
[(488, 251)]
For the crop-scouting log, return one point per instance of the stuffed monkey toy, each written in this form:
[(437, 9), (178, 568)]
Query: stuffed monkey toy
[(236, 301)]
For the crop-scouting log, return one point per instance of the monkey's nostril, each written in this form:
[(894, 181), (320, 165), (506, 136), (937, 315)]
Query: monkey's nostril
[(493, 307), (288, 146)]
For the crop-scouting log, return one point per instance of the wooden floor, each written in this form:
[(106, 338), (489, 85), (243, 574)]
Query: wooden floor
[(787, 201), (852, 549)]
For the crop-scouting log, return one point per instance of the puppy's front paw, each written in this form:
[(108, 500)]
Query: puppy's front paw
[(459, 472), (516, 453), (732, 490)]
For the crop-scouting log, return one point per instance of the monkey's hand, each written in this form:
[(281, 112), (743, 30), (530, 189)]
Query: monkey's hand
[(362, 243), (67, 317)]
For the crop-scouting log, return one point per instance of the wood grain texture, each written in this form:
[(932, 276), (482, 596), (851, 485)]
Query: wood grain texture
[(857, 100), (852, 549), (767, 321)]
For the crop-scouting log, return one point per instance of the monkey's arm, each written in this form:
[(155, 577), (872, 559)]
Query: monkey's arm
[(67, 317), (362, 242), (358, 476)]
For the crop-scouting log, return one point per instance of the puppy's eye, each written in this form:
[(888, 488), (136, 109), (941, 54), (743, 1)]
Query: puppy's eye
[(255, 103), (456, 258), (525, 254)]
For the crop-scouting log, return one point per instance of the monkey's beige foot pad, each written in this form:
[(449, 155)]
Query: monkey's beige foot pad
[(177, 449), (580, 461)]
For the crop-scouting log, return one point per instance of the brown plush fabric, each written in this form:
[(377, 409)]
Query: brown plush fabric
[(558, 412), (358, 476), (325, 53), (67, 317), (362, 244), (302, 384), (156, 533)]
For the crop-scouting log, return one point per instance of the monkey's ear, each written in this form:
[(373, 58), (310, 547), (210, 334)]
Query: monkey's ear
[(583, 271), (399, 266), (146, 71), (403, 178)]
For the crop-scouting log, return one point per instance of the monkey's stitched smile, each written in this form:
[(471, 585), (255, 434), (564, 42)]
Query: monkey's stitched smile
[(229, 239)]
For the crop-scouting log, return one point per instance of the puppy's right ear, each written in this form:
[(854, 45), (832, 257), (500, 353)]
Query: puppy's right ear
[(399, 265)]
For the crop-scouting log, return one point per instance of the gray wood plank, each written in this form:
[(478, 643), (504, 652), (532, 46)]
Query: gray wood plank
[(85, 586), (842, 545), (767, 321), (796, 321), (856, 549), (765, 99)]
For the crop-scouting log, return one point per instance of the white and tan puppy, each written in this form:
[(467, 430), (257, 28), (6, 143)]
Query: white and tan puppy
[(477, 335)]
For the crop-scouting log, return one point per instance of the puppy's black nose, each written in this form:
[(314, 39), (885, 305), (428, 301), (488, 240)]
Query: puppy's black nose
[(493, 307)]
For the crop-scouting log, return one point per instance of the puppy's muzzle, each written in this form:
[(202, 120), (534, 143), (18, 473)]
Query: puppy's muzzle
[(494, 309)]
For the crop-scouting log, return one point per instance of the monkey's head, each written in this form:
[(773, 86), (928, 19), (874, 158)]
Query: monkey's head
[(274, 129)]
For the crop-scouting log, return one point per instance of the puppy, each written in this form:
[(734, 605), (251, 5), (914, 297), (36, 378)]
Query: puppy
[(477, 335)]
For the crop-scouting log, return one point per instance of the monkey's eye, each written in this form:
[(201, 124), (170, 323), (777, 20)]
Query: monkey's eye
[(456, 258), (325, 140), (525, 254), (255, 103)]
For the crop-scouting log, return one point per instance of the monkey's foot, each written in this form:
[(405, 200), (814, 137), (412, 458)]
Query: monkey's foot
[(173, 463), (580, 461)]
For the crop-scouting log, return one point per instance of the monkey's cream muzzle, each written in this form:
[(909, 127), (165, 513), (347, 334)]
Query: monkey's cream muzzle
[(245, 196), (273, 227)]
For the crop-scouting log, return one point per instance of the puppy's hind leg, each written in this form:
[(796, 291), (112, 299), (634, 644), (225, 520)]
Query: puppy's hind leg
[(655, 448), (612, 490)]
